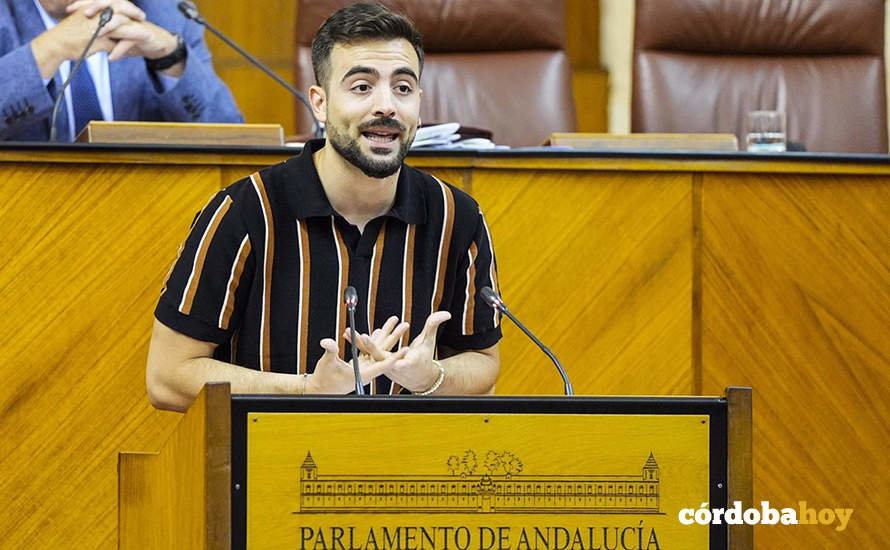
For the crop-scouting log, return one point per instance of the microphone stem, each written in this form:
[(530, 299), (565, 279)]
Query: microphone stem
[(54, 129), (259, 65), (545, 349), (359, 388)]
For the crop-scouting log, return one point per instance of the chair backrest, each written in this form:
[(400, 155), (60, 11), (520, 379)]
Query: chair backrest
[(702, 65), (498, 65)]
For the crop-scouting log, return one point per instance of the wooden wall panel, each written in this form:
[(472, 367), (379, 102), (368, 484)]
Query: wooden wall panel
[(86, 250), (261, 99), (266, 29), (599, 266), (796, 304), (590, 81), (597, 255)]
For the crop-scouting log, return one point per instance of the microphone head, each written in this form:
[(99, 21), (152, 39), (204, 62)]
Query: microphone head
[(350, 297), (490, 297), (105, 16), (189, 10)]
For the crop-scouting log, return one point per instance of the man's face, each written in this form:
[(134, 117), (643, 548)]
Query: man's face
[(371, 104), (56, 8)]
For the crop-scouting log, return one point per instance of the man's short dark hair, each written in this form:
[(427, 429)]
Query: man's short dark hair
[(359, 23)]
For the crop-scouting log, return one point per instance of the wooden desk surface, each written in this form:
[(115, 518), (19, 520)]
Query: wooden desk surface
[(660, 274)]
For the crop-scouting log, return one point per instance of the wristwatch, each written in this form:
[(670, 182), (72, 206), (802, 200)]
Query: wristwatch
[(172, 58)]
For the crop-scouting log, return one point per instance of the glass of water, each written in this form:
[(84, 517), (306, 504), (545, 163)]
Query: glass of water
[(766, 132)]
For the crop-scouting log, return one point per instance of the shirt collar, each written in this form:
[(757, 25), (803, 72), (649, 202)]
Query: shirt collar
[(307, 197)]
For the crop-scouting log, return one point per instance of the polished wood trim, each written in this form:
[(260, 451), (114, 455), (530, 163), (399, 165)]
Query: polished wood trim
[(538, 159), (645, 142), (696, 284), (185, 133), (740, 444), (179, 497)]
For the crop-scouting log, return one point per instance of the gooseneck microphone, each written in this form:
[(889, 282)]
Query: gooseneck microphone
[(350, 298), (190, 11), (104, 18), (493, 300)]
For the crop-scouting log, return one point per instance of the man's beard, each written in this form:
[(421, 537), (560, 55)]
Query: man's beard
[(350, 149)]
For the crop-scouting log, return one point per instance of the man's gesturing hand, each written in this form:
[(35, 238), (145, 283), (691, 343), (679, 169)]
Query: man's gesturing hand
[(415, 371), (334, 376)]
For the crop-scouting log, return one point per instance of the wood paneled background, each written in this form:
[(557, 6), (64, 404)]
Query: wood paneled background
[(796, 303), (267, 29), (645, 276), (598, 266)]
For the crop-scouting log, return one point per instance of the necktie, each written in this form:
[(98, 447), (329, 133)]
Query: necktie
[(64, 132), (84, 99)]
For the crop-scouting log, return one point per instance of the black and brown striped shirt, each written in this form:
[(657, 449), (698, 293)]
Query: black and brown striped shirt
[(263, 270)]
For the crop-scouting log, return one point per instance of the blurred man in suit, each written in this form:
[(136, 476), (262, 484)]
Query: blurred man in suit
[(148, 63)]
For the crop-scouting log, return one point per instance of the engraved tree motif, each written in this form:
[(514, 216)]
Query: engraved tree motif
[(469, 463), (492, 462), (511, 464), (453, 464)]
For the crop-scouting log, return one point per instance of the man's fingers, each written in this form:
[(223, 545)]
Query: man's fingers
[(367, 345), (130, 30), (372, 371), (431, 325), (120, 50), (390, 333), (390, 324), (92, 7), (391, 339), (330, 347), (101, 45)]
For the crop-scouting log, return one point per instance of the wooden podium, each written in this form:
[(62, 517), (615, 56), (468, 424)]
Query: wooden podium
[(407, 472)]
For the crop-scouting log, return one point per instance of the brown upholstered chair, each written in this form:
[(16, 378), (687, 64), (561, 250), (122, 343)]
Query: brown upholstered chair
[(701, 65), (499, 65)]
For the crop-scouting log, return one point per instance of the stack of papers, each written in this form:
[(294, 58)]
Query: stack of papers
[(448, 136)]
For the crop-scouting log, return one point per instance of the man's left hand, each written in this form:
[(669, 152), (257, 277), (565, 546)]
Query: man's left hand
[(415, 371)]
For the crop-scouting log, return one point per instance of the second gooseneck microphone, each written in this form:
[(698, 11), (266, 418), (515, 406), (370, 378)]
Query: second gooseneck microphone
[(104, 18), (493, 300), (350, 298), (189, 10)]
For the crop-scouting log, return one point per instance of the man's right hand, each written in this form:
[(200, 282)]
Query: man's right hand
[(67, 40), (335, 376)]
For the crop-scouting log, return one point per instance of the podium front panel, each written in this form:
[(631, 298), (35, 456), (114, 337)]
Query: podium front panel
[(480, 473)]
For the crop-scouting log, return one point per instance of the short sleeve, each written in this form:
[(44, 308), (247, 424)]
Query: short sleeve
[(474, 325), (207, 285)]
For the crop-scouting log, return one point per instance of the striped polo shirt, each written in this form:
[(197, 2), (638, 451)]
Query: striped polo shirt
[(263, 270)]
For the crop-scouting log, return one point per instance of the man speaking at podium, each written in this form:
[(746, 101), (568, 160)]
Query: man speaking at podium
[(152, 64), (256, 295)]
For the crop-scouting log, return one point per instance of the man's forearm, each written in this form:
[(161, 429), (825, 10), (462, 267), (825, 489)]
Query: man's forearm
[(470, 372), (175, 387)]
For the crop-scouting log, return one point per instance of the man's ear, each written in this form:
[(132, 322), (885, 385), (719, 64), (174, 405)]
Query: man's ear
[(318, 100)]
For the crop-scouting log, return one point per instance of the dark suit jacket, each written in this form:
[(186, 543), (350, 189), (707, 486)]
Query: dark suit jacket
[(26, 104)]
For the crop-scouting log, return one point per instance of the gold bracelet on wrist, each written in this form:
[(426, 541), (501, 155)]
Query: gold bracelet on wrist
[(438, 381)]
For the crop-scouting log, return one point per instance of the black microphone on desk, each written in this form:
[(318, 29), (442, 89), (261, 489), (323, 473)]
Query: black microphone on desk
[(493, 300), (350, 298), (190, 11), (104, 18)]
